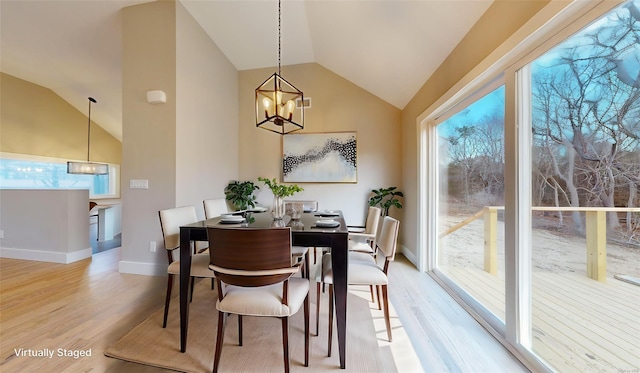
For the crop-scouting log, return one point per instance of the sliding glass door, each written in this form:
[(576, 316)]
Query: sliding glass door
[(536, 179)]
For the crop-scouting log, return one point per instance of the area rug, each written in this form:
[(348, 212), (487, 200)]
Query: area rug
[(150, 344)]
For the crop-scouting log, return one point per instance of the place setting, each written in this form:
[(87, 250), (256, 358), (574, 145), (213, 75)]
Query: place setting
[(327, 223), (327, 214), (231, 219)]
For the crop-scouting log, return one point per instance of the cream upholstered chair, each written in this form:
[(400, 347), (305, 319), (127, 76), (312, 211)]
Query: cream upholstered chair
[(215, 207), (254, 277), (363, 239), (307, 206), (365, 271), (300, 252), (170, 222)]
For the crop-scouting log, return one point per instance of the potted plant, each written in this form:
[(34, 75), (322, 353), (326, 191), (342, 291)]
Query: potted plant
[(385, 198), (280, 191), (241, 194)]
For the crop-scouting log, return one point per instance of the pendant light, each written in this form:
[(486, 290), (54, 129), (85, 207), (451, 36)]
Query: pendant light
[(276, 100), (88, 168)]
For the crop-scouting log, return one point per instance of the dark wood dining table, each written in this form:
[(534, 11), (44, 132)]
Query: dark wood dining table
[(304, 232)]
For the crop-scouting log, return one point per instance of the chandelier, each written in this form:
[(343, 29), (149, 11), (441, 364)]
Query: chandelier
[(276, 100), (88, 168)]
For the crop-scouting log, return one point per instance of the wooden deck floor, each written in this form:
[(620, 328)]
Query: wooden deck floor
[(579, 324)]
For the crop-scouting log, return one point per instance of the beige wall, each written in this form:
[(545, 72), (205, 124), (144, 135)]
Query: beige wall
[(207, 116), (337, 105), (36, 121), (187, 147), (500, 21)]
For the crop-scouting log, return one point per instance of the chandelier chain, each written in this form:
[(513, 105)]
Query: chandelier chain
[(89, 130), (279, 27)]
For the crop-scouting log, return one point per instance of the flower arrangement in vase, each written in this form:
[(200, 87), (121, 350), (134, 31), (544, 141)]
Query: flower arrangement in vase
[(280, 191)]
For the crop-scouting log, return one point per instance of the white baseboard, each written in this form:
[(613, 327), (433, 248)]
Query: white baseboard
[(45, 256), (409, 255), (141, 268)]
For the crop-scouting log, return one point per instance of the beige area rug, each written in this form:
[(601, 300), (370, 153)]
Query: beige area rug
[(150, 344)]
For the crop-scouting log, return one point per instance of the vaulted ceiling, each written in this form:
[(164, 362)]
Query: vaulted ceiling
[(387, 47)]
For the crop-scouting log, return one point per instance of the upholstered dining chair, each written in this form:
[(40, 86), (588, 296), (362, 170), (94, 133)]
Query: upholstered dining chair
[(364, 270), (170, 222), (363, 238), (215, 207), (254, 278), (307, 206)]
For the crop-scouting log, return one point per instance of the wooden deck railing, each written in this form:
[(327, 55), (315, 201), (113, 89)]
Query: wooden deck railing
[(596, 235)]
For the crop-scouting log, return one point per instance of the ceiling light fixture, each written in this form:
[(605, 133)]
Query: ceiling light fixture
[(88, 168), (276, 101)]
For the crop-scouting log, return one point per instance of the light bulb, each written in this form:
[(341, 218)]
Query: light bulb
[(266, 102), (288, 109)]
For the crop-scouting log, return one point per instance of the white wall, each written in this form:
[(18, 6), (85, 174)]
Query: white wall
[(45, 225)]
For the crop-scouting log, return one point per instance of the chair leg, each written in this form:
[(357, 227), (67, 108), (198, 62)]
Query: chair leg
[(306, 331), (212, 283), (285, 343), (387, 319), (219, 341), (307, 266), (167, 300), (378, 295), (373, 299), (315, 254), (317, 308), (239, 330), (330, 330), (193, 285)]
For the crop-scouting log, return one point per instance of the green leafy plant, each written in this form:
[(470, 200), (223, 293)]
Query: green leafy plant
[(385, 198), (280, 190), (241, 194)]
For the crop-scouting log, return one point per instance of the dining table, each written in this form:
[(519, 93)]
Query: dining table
[(311, 229)]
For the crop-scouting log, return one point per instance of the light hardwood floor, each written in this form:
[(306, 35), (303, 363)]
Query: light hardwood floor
[(89, 305)]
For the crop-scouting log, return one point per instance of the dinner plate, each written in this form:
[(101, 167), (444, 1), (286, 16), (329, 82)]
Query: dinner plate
[(328, 223), (327, 214), (231, 219), (257, 209)]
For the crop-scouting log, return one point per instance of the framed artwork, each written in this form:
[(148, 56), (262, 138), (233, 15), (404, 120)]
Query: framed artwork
[(319, 158)]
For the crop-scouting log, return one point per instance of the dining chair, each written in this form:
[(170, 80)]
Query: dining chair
[(254, 278), (95, 214), (364, 270), (215, 207), (363, 238), (307, 206), (170, 222)]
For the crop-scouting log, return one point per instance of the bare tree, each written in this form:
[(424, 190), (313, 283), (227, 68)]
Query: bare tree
[(587, 111)]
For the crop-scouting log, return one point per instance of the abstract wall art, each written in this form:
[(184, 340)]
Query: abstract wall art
[(319, 158)]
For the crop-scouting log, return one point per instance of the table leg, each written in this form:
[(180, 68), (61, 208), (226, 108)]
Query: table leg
[(339, 264), (185, 274)]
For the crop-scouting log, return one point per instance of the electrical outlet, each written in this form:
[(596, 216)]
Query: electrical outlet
[(152, 246), (1, 233)]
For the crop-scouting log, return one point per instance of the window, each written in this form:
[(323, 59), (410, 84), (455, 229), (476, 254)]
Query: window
[(536, 210), (585, 162), (26, 172), (471, 182)]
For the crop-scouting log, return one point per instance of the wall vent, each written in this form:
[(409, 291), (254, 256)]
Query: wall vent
[(306, 103)]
